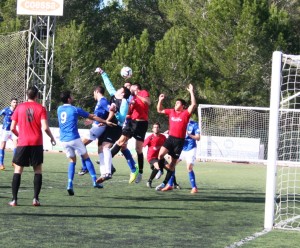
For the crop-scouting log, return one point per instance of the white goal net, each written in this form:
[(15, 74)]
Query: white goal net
[(12, 67), (287, 214), (233, 133)]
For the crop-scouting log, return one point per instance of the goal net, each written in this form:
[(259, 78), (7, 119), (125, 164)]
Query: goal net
[(233, 133), (287, 193), (12, 67)]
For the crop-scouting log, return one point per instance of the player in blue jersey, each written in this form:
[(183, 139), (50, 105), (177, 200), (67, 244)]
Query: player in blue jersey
[(101, 110), (70, 139), (189, 151), (119, 108), (6, 133)]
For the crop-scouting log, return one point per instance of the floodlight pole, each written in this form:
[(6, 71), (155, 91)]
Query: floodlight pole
[(40, 56)]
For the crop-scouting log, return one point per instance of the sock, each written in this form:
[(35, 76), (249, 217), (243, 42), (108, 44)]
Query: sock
[(83, 167), (1, 156), (115, 149), (91, 169), (175, 182), (168, 176), (161, 163), (71, 172), (15, 185), (153, 174), (192, 179), (102, 165), (130, 160), (141, 162), (107, 160), (37, 182), (171, 180)]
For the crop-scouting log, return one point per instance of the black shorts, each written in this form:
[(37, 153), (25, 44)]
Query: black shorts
[(174, 146), (28, 155), (136, 129), (110, 135)]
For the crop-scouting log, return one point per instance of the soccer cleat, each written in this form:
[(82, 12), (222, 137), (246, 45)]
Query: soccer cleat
[(103, 178), (139, 178), (97, 185), (70, 191), (133, 176), (13, 203), (36, 202), (158, 175), (97, 161), (149, 184), (194, 190), (2, 167), (177, 186), (167, 188), (159, 187), (113, 170), (83, 172)]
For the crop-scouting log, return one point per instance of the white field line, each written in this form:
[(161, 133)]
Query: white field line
[(248, 239)]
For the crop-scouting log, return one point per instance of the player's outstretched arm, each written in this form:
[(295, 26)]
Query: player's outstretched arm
[(96, 118), (159, 106), (193, 99)]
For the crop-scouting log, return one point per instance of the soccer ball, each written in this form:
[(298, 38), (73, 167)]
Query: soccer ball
[(126, 72)]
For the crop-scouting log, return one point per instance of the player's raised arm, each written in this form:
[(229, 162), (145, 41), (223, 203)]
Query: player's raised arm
[(159, 106), (193, 99)]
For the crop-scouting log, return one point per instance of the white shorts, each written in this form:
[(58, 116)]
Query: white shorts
[(70, 147), (6, 135), (96, 131), (189, 156)]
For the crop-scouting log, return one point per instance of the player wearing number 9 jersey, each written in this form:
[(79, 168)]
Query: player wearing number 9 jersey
[(70, 139)]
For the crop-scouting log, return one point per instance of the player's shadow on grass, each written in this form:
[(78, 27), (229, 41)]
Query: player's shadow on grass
[(115, 216)]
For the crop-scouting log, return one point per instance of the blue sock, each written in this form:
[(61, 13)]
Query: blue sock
[(171, 180), (83, 167), (192, 179), (1, 156), (90, 168), (129, 159), (71, 172)]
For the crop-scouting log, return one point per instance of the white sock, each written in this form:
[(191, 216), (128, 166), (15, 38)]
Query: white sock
[(107, 160), (102, 165)]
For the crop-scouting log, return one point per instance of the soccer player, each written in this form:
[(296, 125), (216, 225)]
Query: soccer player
[(136, 126), (101, 110), (178, 120), (31, 119), (69, 136), (118, 109), (189, 151), (6, 133), (154, 142)]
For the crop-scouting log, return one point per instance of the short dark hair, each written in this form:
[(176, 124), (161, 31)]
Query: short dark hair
[(14, 99), (100, 89), (156, 123), (32, 92), (65, 95), (183, 102), (127, 92), (139, 86)]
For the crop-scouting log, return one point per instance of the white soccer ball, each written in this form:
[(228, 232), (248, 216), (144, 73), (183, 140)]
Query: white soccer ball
[(126, 72)]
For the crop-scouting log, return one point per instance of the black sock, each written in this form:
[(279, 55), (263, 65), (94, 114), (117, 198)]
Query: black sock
[(141, 162), (161, 163), (175, 182), (37, 182), (15, 185), (168, 176), (153, 174), (115, 149)]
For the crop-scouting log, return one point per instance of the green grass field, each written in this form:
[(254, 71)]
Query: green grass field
[(228, 208)]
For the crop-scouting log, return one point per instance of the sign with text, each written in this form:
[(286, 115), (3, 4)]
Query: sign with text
[(40, 7)]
